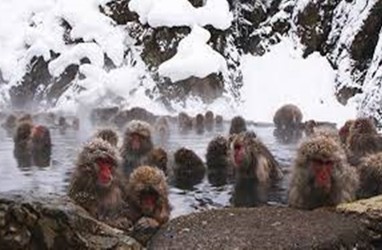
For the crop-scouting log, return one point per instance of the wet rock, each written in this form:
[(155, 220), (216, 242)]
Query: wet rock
[(31, 221), (369, 212), (261, 228), (119, 11)]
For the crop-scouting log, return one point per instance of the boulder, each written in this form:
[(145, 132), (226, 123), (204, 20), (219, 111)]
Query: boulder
[(35, 221), (261, 228)]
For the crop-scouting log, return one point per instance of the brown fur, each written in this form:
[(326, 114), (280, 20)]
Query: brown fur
[(76, 123), (219, 121), (370, 173), (219, 165), (142, 179), (238, 125), (288, 117), (363, 139), (162, 129), (10, 124), (105, 204), (132, 158), (22, 144), (309, 127), (41, 146), (345, 131), (158, 158), (189, 169), (109, 135), (256, 173), (344, 180), (199, 123), (184, 122), (209, 120)]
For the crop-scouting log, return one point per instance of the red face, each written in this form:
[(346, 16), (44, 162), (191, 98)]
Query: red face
[(322, 171), (239, 153), (136, 141), (38, 131), (105, 176), (148, 202)]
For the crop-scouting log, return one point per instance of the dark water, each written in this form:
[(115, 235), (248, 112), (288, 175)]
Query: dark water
[(55, 178)]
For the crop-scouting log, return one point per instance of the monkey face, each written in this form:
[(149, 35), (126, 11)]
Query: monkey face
[(322, 174), (105, 169), (148, 200), (364, 126), (136, 141)]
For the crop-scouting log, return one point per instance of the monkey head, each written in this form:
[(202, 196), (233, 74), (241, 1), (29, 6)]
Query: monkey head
[(322, 157), (244, 150), (363, 126), (219, 146), (41, 135), (23, 131), (137, 137), (238, 125), (209, 115), (25, 118), (189, 169), (158, 157), (100, 161), (219, 120), (345, 130), (108, 135), (147, 189)]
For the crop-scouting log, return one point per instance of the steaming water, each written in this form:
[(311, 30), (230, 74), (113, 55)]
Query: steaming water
[(55, 178)]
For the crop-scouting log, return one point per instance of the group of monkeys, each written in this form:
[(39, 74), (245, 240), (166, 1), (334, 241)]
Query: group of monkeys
[(127, 186)]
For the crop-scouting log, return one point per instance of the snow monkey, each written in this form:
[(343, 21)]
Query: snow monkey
[(97, 184), (321, 175), (136, 146), (255, 170)]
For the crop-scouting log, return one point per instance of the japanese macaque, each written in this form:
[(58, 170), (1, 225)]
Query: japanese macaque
[(309, 127), (162, 130), (209, 120), (101, 116), (109, 135), (219, 165), (76, 123), (136, 146), (158, 158), (184, 122), (10, 124), (199, 124), (288, 118), (370, 176), (188, 169), (238, 125), (147, 195), (219, 121), (41, 146), (345, 131), (97, 184), (363, 139), (321, 175), (22, 144), (255, 170), (32, 145), (62, 125), (25, 118)]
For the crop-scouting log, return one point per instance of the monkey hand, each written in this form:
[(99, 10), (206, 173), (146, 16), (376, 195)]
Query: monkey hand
[(144, 229), (123, 223)]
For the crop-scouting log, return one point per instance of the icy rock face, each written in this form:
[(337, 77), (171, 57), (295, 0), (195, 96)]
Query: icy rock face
[(348, 34)]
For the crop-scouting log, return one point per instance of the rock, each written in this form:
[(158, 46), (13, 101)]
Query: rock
[(31, 221), (314, 24), (261, 228), (369, 212)]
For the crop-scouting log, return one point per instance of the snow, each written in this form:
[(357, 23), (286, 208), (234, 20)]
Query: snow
[(31, 28), (173, 13), (282, 76), (193, 58)]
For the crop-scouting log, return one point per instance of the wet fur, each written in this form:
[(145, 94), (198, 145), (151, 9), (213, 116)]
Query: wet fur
[(238, 125), (302, 193)]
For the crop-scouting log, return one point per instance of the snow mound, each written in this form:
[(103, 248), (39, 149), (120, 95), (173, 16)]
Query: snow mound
[(172, 13), (282, 76), (193, 58)]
